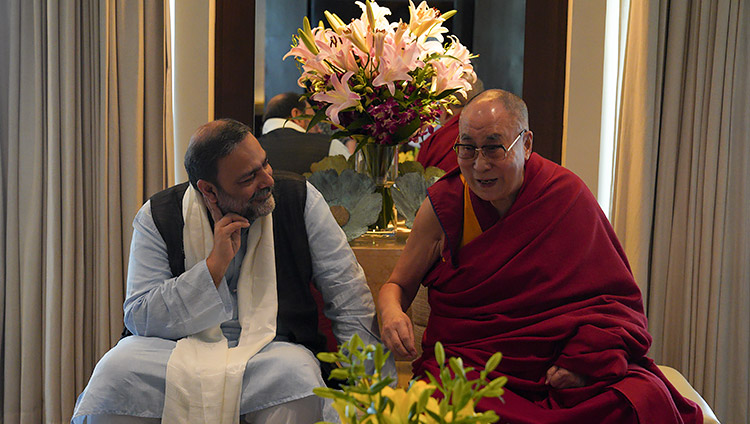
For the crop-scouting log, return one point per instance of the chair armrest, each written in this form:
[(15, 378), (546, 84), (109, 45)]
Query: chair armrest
[(683, 386)]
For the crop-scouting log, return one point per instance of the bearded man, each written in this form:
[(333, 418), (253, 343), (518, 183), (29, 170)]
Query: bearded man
[(219, 303), (518, 258)]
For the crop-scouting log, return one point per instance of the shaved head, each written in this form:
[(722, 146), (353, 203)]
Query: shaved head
[(514, 105)]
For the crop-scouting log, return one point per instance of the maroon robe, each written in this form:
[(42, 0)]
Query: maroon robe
[(548, 284), (437, 150)]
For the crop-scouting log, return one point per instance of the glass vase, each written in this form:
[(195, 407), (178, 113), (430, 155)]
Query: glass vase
[(380, 162)]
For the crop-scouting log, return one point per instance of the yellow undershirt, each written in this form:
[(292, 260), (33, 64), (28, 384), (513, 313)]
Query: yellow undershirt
[(471, 229)]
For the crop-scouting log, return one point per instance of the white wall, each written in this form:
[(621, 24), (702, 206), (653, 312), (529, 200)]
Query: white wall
[(583, 91), (192, 72), (594, 43)]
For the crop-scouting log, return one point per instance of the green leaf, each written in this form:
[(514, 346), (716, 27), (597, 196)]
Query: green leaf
[(445, 376), (402, 134), (319, 116), (446, 93), (432, 379), (423, 398), (379, 357), (410, 166), (337, 163), (435, 416), (433, 172), (408, 193), (359, 122), (377, 387), (328, 393), (359, 390), (413, 412), (341, 134), (356, 343)]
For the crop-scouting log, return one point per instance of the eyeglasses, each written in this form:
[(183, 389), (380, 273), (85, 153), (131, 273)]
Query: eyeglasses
[(490, 151)]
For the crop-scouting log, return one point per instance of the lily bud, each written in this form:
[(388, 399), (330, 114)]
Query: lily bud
[(424, 26), (336, 23), (449, 14), (306, 26), (378, 38), (308, 42), (370, 15), (400, 31), (352, 33)]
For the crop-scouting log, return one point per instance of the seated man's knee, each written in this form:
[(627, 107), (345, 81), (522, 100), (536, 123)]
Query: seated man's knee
[(119, 419), (294, 364), (308, 409), (132, 355), (295, 355)]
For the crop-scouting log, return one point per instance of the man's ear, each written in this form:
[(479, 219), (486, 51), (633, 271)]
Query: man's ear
[(208, 190), (528, 143), (301, 122)]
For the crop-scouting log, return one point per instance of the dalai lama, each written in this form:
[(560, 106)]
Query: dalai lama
[(519, 259)]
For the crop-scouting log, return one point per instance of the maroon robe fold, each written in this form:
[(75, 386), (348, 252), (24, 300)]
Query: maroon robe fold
[(437, 150), (548, 284)]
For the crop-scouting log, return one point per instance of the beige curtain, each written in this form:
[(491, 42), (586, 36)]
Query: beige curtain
[(682, 188), (82, 144)]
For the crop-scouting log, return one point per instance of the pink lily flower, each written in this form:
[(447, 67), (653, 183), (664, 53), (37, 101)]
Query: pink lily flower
[(426, 22), (340, 98), (448, 77), (395, 65)]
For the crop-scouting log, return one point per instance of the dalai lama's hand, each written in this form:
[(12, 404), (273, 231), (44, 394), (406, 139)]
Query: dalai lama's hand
[(560, 378), (398, 333)]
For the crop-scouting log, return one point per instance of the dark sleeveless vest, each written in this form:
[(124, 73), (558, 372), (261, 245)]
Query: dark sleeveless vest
[(297, 319)]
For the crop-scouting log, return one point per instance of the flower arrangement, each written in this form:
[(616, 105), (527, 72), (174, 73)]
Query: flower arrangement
[(368, 398), (381, 82)]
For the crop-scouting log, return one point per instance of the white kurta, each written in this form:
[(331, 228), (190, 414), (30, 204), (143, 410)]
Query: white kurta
[(129, 379)]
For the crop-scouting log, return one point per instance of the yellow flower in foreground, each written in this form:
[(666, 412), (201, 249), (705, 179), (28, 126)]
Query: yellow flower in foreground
[(342, 407), (406, 156), (432, 406), (372, 401), (404, 400), (399, 414)]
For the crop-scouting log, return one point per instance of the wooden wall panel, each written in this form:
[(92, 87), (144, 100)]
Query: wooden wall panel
[(234, 78), (544, 73)]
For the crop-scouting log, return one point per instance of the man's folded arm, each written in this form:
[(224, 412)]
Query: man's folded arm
[(159, 305), (599, 353)]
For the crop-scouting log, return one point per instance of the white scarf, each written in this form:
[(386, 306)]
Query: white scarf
[(204, 376)]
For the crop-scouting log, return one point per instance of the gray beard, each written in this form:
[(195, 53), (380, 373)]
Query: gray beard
[(249, 210)]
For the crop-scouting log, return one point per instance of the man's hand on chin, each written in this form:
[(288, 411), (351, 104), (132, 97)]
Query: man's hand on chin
[(227, 229)]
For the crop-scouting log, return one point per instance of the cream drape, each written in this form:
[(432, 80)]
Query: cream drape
[(682, 189), (81, 146)]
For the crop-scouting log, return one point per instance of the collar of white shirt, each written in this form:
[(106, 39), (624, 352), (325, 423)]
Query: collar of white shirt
[(276, 123)]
